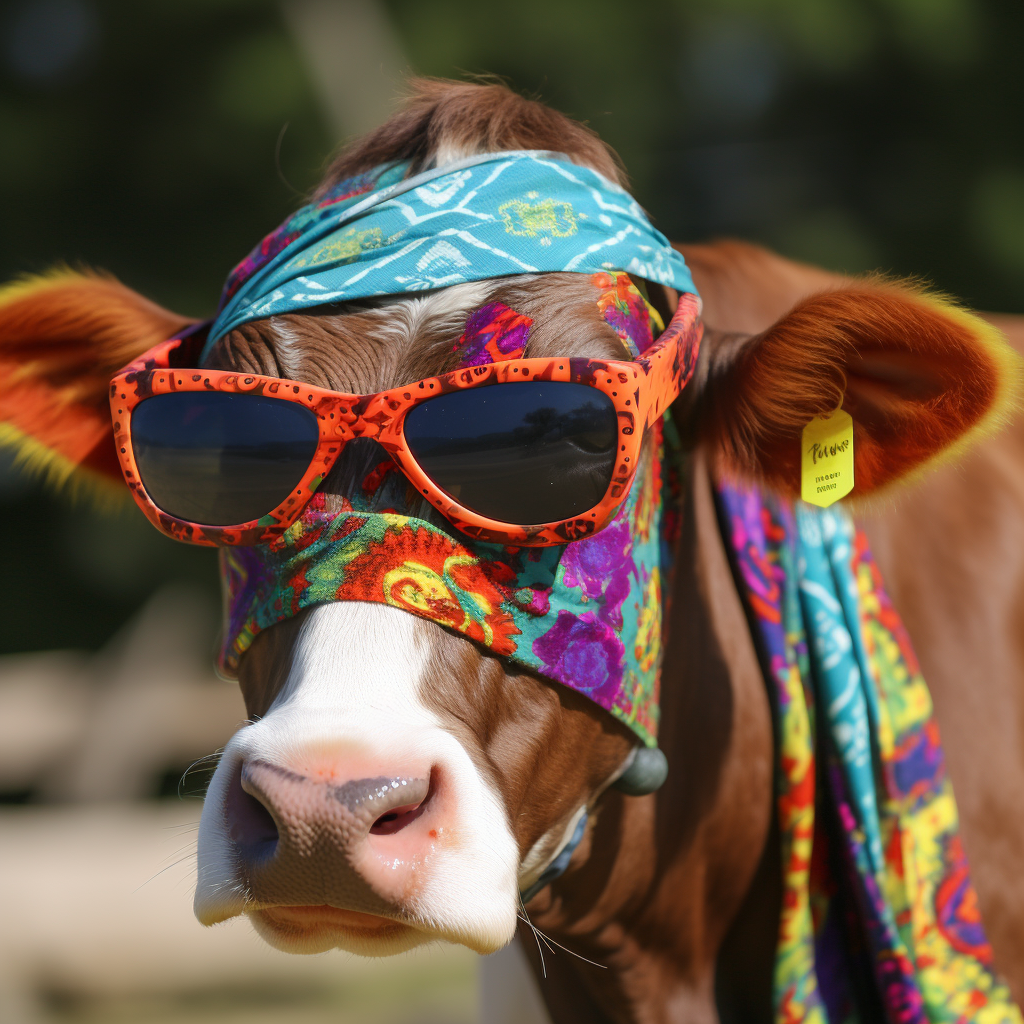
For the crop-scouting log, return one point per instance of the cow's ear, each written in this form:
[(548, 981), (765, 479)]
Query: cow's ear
[(63, 335), (920, 376)]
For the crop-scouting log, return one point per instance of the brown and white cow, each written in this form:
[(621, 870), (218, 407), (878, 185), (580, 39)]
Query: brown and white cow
[(410, 784)]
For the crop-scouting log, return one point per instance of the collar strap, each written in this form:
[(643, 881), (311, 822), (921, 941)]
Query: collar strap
[(557, 867)]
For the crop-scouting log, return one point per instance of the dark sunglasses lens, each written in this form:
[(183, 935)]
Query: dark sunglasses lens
[(527, 453), (220, 459)]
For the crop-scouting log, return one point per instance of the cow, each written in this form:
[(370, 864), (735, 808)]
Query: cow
[(456, 777)]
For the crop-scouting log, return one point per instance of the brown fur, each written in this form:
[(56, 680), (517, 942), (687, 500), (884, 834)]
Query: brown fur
[(63, 335), (457, 119), (397, 342), (917, 375), (653, 893), (523, 734)]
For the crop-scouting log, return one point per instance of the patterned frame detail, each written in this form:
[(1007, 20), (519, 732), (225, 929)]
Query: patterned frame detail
[(640, 391)]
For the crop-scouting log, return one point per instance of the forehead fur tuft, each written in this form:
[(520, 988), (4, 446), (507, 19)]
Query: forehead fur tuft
[(443, 121)]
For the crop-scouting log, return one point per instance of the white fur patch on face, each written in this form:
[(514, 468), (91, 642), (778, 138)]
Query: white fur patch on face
[(289, 345), (352, 700), (443, 311), (399, 321)]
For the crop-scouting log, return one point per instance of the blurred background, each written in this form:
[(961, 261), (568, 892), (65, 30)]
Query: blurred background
[(160, 139)]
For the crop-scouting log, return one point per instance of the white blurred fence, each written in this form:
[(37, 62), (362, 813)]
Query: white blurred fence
[(96, 884), (105, 727)]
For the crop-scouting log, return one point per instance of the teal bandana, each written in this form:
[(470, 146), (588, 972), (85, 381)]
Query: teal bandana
[(484, 217)]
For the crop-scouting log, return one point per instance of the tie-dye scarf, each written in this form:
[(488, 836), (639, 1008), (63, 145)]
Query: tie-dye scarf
[(879, 919)]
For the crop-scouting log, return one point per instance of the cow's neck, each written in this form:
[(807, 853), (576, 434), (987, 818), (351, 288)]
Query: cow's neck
[(663, 877)]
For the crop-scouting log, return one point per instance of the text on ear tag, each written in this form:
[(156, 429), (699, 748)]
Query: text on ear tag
[(826, 459)]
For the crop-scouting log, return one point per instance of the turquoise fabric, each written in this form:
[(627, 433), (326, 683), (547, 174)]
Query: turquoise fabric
[(484, 217), (831, 610)]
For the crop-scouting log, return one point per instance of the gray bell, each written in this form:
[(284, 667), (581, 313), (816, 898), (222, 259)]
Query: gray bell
[(646, 772)]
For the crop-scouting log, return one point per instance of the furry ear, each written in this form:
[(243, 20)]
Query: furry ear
[(63, 335), (921, 377)]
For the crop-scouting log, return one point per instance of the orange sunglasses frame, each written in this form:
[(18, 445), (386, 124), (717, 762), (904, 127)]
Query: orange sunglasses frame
[(640, 391)]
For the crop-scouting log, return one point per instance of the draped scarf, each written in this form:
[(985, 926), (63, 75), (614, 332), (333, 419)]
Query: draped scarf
[(880, 920)]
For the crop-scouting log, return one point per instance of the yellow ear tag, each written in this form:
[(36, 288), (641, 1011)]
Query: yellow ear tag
[(826, 459)]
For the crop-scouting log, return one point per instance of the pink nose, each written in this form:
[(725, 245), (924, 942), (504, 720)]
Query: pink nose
[(303, 841)]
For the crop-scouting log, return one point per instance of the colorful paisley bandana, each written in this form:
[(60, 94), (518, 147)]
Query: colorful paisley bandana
[(586, 614), (487, 216), (879, 919)]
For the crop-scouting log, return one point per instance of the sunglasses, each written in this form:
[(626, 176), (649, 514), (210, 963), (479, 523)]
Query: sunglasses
[(531, 452)]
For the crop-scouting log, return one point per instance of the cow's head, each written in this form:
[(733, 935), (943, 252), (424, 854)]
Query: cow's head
[(397, 782)]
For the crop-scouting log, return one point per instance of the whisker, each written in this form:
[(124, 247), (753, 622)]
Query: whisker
[(187, 831), (180, 860), (188, 826), (526, 917), (579, 956), (548, 941), (206, 758)]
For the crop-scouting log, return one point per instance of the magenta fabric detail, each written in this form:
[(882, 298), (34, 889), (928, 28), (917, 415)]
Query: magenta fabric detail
[(493, 334)]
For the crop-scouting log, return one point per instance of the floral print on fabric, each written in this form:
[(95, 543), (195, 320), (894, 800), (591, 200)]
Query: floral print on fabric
[(583, 614), (625, 309), (423, 573), (493, 333), (876, 884), (582, 649)]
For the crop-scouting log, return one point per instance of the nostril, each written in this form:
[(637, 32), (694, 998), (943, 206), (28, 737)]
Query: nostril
[(250, 825), (397, 819)]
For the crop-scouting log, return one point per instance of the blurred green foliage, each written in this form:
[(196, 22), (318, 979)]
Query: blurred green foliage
[(154, 150), (161, 138), (859, 134)]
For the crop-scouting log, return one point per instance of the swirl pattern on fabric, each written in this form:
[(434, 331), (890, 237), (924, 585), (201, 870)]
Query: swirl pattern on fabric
[(584, 614)]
